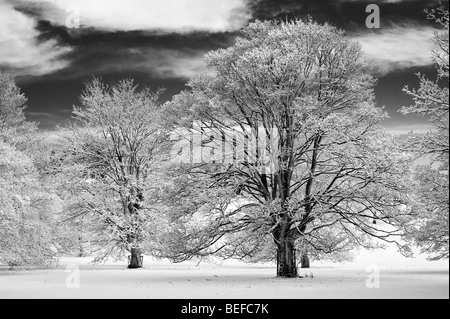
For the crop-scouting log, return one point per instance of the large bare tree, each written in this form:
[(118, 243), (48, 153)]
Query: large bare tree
[(294, 150)]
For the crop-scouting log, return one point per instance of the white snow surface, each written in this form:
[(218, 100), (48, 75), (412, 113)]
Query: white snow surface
[(400, 278)]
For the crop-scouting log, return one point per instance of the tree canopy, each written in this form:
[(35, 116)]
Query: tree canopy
[(26, 215), (109, 161), (293, 103), (14, 129), (431, 100)]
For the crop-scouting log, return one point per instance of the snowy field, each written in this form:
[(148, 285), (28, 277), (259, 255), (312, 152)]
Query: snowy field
[(398, 278)]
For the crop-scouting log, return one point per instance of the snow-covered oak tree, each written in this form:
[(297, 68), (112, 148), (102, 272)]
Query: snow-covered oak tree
[(298, 152), (27, 223), (431, 227), (14, 129), (109, 162), (431, 100), (26, 220)]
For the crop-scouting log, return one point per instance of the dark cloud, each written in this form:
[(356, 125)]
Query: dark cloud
[(345, 14), (89, 37), (159, 58), (96, 52)]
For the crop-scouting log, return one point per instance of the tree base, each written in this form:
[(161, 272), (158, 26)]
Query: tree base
[(136, 260), (286, 264), (305, 261), (287, 276), (134, 267)]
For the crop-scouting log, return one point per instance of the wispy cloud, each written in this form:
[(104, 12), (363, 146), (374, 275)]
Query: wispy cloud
[(20, 50), (164, 16), (181, 66), (165, 63), (159, 63), (24, 53), (406, 128), (42, 114), (398, 47)]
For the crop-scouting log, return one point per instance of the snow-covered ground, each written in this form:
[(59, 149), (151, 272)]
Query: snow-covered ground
[(398, 278)]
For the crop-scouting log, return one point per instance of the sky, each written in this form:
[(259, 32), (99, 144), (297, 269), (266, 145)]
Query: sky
[(54, 46)]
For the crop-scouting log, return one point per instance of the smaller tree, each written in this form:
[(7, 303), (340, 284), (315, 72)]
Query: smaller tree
[(431, 228), (431, 100), (14, 129), (110, 161), (26, 209), (26, 219)]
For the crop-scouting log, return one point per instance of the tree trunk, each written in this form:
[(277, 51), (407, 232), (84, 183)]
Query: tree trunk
[(81, 252), (286, 264), (305, 260), (136, 259)]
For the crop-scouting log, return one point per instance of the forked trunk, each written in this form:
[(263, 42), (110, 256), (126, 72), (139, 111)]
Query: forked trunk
[(286, 264)]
